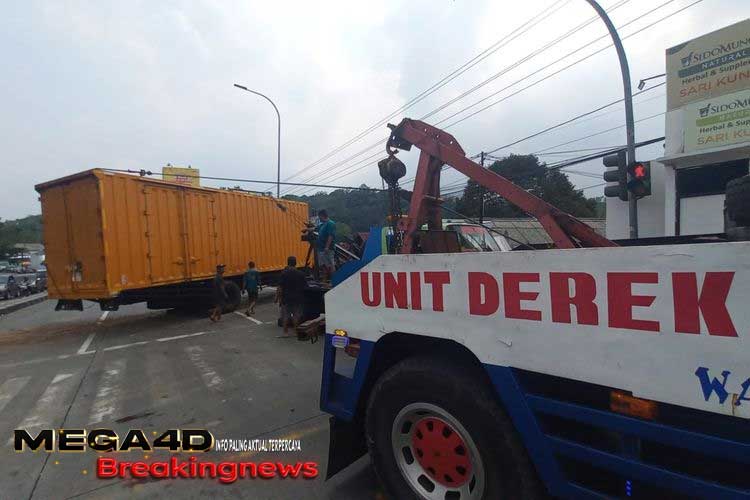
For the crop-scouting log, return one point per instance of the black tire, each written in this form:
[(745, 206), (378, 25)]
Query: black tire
[(738, 200), (234, 296), (508, 471)]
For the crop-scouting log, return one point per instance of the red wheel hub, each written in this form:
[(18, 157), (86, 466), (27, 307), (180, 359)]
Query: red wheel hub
[(441, 452)]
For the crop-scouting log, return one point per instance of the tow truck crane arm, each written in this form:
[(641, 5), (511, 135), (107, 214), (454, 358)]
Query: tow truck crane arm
[(440, 148)]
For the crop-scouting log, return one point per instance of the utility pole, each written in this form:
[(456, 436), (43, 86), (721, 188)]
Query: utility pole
[(482, 192), (629, 123)]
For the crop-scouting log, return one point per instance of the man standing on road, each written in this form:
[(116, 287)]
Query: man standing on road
[(325, 244), (292, 284), (219, 294), (251, 282)]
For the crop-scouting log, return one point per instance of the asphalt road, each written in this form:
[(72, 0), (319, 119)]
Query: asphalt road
[(157, 370)]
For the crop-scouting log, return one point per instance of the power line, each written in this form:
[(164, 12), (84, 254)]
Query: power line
[(594, 186), (596, 134), (144, 173), (564, 68), (540, 153), (582, 150), (523, 28), (563, 164), (502, 72), (569, 120), (552, 74), (524, 59)]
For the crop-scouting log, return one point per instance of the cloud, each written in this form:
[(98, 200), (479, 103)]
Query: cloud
[(140, 84)]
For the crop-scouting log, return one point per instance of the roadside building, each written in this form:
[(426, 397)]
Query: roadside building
[(707, 138)]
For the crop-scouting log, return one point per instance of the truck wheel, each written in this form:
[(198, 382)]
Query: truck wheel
[(435, 432), (738, 200), (234, 296)]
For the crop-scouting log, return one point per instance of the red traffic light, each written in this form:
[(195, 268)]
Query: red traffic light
[(639, 171)]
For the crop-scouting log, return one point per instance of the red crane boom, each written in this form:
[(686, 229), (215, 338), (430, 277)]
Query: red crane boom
[(440, 148)]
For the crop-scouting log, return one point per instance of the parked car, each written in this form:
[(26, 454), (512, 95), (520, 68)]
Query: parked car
[(8, 287), (25, 283), (40, 283)]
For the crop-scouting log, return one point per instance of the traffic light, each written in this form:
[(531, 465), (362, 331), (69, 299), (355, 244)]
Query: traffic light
[(620, 176), (640, 179)]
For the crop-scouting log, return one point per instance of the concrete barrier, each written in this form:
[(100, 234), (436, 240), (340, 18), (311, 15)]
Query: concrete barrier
[(14, 305)]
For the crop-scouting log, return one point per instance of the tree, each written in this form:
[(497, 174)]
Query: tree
[(553, 186), (25, 230), (353, 210)]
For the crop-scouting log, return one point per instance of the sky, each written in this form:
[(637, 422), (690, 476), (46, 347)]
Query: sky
[(139, 84)]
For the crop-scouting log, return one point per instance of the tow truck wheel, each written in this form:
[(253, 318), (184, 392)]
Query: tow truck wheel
[(434, 433)]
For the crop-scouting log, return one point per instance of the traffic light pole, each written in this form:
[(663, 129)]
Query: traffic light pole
[(483, 191), (629, 122)]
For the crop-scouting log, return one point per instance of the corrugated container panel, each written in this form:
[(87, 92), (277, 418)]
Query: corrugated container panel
[(126, 232)]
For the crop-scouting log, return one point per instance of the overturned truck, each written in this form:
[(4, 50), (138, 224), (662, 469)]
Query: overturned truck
[(120, 239)]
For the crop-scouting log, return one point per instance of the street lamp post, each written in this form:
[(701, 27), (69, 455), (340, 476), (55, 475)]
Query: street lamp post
[(629, 123), (278, 142)]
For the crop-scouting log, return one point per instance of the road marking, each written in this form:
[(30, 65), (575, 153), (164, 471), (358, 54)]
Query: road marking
[(86, 343), (210, 377), (123, 346), (60, 377), (165, 339), (83, 352), (107, 393), (103, 316), (49, 405), (10, 389), (243, 315)]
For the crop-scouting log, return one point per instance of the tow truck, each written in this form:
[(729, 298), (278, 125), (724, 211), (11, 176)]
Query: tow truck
[(591, 370)]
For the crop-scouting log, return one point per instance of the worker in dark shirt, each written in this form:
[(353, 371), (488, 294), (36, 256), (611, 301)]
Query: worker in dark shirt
[(218, 293), (291, 294)]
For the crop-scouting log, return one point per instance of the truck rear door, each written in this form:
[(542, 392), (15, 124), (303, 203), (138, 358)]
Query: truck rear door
[(84, 228)]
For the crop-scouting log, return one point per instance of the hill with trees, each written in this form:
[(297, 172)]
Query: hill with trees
[(25, 230)]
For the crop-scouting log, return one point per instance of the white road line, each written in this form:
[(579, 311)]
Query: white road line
[(60, 377), (108, 391), (123, 346), (210, 377), (165, 339), (243, 315), (103, 316), (50, 406), (86, 343), (10, 389)]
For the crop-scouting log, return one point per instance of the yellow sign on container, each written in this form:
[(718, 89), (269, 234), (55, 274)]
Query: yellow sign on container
[(180, 175)]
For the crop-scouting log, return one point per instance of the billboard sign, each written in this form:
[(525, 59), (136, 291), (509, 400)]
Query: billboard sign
[(179, 175), (712, 65), (717, 122)]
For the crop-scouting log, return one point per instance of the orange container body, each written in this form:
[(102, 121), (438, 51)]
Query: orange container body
[(107, 232)]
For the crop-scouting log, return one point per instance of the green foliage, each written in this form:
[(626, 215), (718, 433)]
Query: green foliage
[(553, 186), (25, 230), (352, 210)]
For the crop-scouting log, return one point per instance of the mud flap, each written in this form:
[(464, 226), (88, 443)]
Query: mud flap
[(69, 305), (346, 445)]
